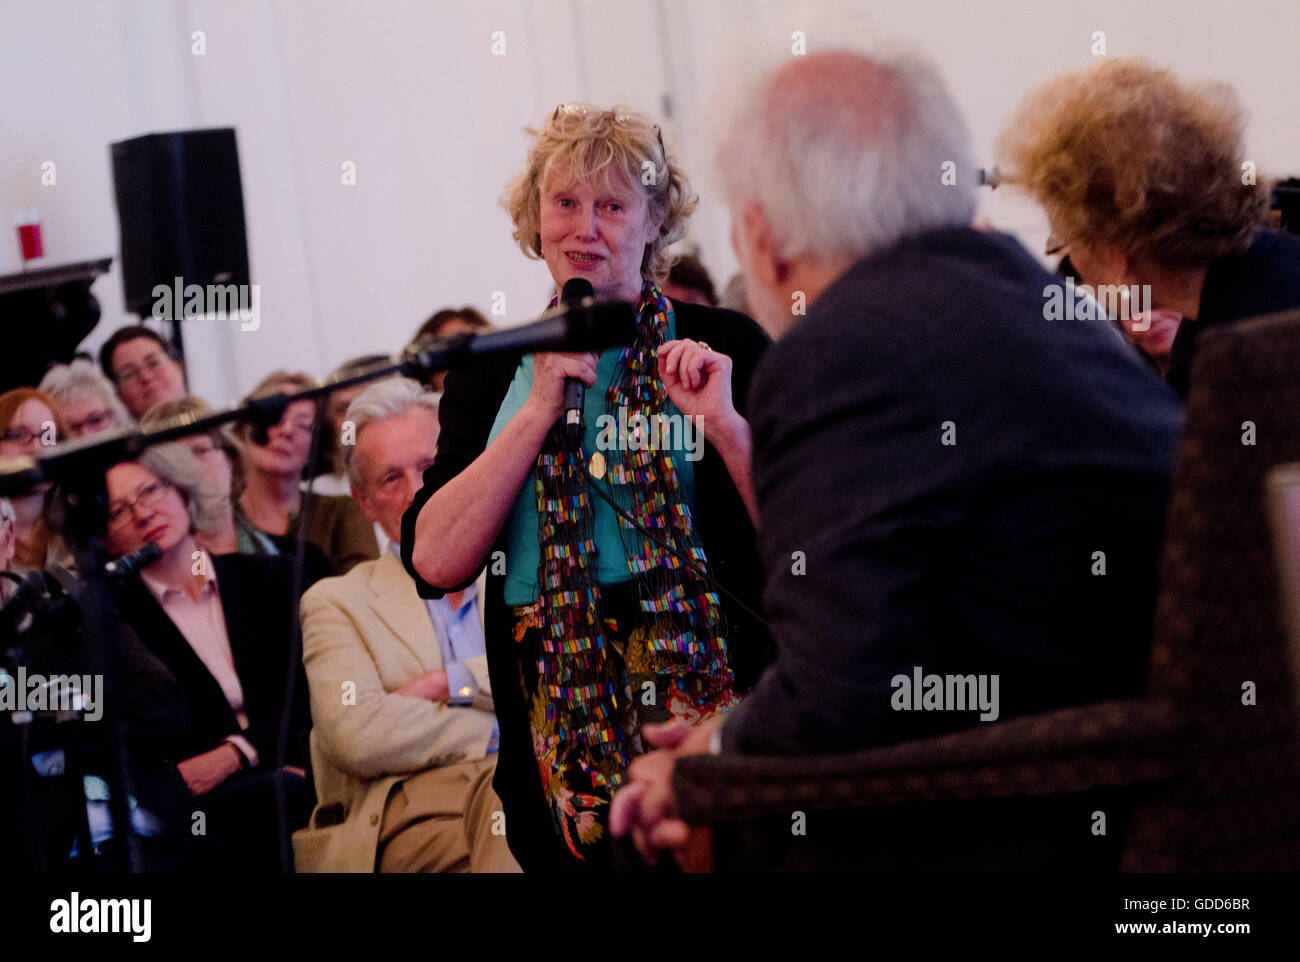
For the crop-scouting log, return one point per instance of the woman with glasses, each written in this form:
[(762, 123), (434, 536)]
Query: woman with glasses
[(28, 422), (85, 399), (223, 474), (140, 363), (273, 497), (221, 624), (599, 622)]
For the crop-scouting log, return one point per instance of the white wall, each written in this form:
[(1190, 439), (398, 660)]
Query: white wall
[(413, 95)]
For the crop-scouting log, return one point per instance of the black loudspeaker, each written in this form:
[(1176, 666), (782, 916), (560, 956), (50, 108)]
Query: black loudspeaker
[(180, 208)]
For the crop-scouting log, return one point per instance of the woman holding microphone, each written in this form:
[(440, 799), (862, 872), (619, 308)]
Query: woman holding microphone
[(599, 621)]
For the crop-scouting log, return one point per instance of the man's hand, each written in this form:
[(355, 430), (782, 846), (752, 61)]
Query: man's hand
[(431, 686), (203, 773), (644, 806)]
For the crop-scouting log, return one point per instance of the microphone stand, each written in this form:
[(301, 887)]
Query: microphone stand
[(87, 501)]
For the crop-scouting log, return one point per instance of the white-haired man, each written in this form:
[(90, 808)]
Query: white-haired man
[(936, 466), (404, 744)]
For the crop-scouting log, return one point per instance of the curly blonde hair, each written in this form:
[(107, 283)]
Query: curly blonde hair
[(1121, 154), (604, 148)]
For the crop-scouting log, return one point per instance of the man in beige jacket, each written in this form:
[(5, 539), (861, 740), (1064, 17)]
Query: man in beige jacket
[(404, 740)]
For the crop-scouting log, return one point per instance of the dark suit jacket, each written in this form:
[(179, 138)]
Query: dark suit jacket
[(259, 617), (469, 406), (1265, 279), (887, 549)]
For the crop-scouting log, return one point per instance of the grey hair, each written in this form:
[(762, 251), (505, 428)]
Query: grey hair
[(66, 382), (390, 398), (176, 464), (845, 153)]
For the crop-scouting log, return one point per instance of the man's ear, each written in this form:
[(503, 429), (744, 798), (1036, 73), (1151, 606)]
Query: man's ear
[(756, 234)]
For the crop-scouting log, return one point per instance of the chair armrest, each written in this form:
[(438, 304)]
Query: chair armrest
[(1103, 745)]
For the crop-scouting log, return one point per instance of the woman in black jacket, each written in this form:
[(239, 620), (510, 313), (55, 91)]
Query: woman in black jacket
[(594, 626), (221, 625)]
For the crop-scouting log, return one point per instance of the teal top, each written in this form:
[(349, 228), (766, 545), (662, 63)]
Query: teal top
[(522, 555)]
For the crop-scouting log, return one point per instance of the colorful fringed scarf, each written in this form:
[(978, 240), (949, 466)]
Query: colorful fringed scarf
[(682, 617)]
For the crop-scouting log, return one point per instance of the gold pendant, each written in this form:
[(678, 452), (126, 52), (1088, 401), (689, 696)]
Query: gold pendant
[(598, 465)]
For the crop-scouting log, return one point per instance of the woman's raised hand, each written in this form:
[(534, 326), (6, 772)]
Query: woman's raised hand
[(698, 381)]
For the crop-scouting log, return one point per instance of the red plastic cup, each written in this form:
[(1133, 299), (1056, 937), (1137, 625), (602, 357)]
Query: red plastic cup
[(29, 235)]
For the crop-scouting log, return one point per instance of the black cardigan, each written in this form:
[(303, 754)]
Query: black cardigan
[(470, 403)]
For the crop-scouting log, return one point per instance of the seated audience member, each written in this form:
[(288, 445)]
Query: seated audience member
[(221, 624), (331, 479), (689, 281), (142, 367), (273, 498), (85, 399), (943, 466), (223, 476), (445, 323), (1168, 212), (29, 421), (404, 768)]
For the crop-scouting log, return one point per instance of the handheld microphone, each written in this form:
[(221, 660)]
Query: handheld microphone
[(576, 289)]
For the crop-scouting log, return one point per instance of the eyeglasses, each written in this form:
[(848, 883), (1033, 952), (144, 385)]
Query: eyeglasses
[(624, 120), (91, 423), (121, 512), (22, 434), (129, 373)]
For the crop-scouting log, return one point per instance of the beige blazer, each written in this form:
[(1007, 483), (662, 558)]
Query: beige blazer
[(364, 635)]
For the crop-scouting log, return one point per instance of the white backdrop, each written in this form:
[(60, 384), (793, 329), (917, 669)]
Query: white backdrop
[(413, 94)]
